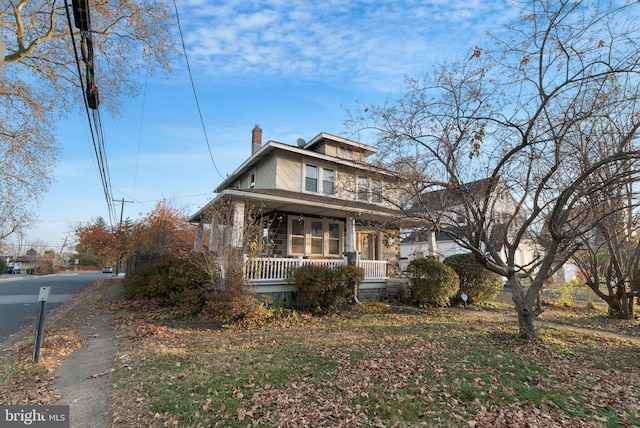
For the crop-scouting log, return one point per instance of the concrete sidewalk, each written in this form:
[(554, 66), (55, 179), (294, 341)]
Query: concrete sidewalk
[(83, 377)]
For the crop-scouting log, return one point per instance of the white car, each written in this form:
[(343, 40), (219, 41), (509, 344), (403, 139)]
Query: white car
[(107, 269)]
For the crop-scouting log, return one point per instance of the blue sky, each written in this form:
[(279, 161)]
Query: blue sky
[(294, 67)]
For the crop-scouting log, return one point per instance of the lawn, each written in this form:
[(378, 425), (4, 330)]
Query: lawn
[(385, 369), (458, 368)]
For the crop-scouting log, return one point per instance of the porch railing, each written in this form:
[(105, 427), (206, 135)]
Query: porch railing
[(272, 269), (374, 269)]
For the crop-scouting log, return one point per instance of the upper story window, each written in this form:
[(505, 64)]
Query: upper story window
[(362, 189), (312, 178), (328, 181), (376, 191), (252, 180), (368, 190), (345, 153)]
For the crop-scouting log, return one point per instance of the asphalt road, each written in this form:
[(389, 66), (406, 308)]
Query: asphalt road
[(19, 297)]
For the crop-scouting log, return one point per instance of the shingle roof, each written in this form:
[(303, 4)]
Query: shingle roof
[(455, 195)]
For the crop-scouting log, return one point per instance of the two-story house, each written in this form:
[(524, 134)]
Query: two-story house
[(321, 202), (449, 209)]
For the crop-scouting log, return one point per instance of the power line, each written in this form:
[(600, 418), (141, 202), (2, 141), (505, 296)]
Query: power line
[(193, 87), (82, 20), (144, 100)]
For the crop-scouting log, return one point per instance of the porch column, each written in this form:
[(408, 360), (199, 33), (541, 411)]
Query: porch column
[(197, 245), (433, 250), (351, 234), (214, 236), (238, 224)]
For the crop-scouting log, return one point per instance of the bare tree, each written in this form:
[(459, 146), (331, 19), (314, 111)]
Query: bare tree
[(40, 82), (609, 255), (505, 141), (233, 241)]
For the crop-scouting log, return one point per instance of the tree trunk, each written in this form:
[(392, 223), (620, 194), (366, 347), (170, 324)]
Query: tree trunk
[(621, 308), (617, 306), (524, 303), (525, 322)]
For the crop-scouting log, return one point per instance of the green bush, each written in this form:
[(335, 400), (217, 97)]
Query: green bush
[(567, 294), (432, 282), (324, 290), (476, 281), (3, 266)]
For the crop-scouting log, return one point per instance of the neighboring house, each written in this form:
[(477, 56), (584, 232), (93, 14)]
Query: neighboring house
[(320, 202), (448, 209)]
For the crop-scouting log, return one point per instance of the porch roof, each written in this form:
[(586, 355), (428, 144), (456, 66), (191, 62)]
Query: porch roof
[(304, 203)]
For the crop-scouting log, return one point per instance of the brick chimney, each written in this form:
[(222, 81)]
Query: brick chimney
[(256, 139)]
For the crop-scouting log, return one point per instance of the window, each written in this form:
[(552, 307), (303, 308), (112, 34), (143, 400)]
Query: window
[(297, 235), (334, 239), (315, 237), (362, 189), (345, 153), (313, 174), (311, 178), (376, 191), (252, 181), (328, 181), (369, 190)]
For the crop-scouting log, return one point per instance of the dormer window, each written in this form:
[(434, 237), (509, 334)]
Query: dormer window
[(345, 153)]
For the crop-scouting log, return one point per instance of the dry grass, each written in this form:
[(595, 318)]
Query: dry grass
[(31, 383), (369, 367)]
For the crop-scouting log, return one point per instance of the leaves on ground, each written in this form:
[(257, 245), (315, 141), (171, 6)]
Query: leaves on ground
[(378, 368)]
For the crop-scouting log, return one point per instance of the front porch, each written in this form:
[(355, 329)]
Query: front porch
[(278, 233)]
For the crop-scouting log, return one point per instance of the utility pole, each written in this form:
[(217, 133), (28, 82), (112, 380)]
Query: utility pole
[(119, 261)]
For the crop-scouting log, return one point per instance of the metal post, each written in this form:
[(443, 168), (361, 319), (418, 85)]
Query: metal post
[(42, 298)]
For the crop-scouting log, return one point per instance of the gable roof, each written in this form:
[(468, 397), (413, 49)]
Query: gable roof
[(456, 194), (342, 142)]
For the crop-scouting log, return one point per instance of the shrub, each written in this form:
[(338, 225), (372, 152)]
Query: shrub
[(566, 294), (325, 290), (174, 280), (3, 266), (232, 299), (432, 282), (45, 266), (476, 281)]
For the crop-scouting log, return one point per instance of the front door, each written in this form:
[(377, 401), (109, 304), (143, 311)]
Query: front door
[(367, 245)]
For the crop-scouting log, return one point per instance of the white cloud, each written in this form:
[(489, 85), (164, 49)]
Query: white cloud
[(364, 40)]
